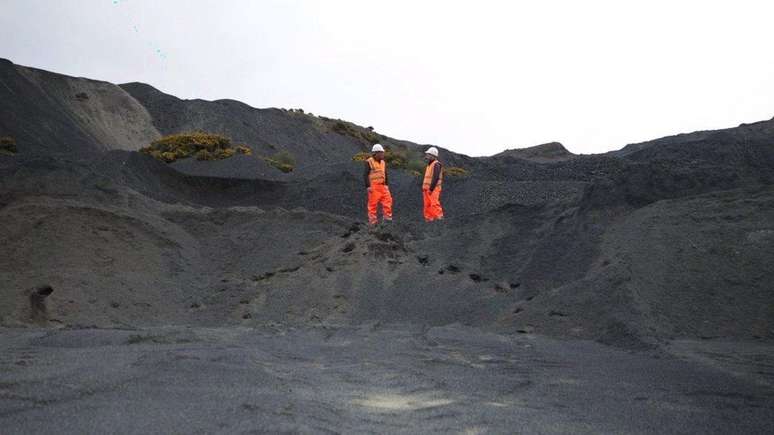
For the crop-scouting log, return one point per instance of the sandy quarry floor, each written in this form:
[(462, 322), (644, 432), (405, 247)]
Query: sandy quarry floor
[(373, 379)]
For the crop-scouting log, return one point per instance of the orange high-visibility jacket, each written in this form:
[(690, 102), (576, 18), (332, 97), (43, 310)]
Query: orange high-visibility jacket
[(378, 174), (428, 182)]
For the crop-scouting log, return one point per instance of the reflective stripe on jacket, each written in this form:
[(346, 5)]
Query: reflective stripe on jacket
[(433, 176), (377, 173)]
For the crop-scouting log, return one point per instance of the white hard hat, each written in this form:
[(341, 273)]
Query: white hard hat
[(377, 149), (433, 151)]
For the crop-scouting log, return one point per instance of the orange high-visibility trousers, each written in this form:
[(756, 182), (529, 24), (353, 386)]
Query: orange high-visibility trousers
[(379, 194), (433, 210)]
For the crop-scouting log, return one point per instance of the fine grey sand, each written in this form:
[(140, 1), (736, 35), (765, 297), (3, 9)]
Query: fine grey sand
[(371, 379)]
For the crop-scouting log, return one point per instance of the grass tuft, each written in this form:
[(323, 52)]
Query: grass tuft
[(455, 171), (283, 160), (8, 145)]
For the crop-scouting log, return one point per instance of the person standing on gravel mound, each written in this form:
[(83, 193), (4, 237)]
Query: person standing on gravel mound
[(376, 183), (432, 185)]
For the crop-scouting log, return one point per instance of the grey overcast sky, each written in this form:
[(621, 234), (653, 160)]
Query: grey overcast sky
[(474, 76)]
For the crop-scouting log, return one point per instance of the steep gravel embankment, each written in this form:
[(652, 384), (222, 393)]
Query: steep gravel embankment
[(54, 114)]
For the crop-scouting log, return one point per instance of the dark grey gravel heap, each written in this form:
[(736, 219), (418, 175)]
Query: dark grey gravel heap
[(664, 249)]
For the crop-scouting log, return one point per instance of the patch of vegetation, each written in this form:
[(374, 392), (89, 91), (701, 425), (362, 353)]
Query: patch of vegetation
[(416, 166), (394, 159), (8, 145), (299, 110), (106, 185), (455, 171), (283, 160), (361, 157), (358, 133), (156, 339), (218, 154), (138, 339), (410, 161), (397, 158), (198, 144), (244, 149), (204, 155)]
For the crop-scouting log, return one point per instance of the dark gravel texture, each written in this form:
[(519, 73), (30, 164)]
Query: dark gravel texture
[(642, 275)]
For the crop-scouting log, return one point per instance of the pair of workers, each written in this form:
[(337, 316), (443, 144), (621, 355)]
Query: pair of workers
[(377, 183)]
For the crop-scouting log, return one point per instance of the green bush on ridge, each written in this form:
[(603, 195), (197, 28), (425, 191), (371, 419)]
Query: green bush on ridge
[(198, 144), (366, 135), (455, 171), (8, 145)]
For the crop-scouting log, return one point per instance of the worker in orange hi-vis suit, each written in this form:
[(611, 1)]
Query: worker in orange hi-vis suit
[(378, 186), (432, 186)]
